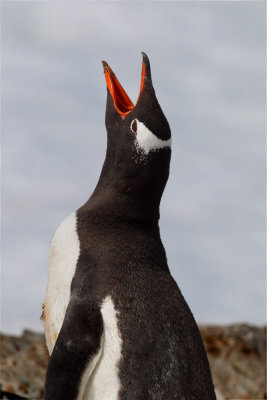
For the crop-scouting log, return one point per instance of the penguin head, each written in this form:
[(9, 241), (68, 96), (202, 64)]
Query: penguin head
[(138, 138)]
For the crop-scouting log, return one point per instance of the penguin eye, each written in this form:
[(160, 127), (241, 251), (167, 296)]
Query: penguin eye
[(134, 125)]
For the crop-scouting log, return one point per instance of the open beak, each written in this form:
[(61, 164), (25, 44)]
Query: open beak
[(122, 102)]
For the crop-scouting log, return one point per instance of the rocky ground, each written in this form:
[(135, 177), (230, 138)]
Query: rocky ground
[(237, 356)]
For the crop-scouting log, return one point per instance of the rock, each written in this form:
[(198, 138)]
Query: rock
[(24, 361), (9, 396), (237, 359), (236, 354), (219, 396)]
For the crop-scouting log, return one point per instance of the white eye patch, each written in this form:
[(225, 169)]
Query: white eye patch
[(145, 140)]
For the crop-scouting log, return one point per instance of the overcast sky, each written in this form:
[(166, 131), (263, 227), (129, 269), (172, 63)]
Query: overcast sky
[(208, 69)]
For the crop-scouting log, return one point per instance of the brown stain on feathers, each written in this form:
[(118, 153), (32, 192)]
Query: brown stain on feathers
[(50, 333), (43, 315)]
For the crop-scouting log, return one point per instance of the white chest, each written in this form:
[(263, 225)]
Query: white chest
[(63, 257), (100, 380), (104, 383)]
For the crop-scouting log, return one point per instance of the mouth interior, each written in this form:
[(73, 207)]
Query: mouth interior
[(122, 102)]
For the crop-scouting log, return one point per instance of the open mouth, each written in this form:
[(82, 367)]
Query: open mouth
[(122, 102)]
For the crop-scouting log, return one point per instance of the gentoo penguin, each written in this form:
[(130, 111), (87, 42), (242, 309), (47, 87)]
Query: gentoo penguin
[(116, 324)]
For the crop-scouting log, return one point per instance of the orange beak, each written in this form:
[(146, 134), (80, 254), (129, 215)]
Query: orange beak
[(122, 102)]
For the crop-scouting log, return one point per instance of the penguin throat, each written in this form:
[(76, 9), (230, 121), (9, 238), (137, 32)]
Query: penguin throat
[(122, 102)]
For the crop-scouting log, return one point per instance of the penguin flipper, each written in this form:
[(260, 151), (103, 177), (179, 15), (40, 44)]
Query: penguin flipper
[(75, 353)]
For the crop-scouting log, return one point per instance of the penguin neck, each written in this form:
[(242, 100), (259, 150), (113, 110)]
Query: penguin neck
[(108, 200), (117, 198)]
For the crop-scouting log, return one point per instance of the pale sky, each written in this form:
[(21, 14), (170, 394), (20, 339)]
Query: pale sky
[(208, 69)]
